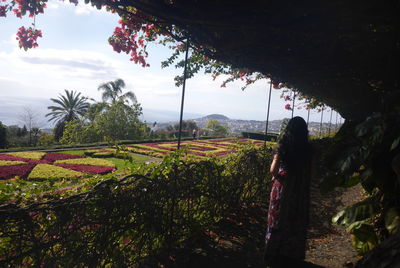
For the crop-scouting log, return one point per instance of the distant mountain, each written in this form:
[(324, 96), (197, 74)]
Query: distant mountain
[(216, 117)]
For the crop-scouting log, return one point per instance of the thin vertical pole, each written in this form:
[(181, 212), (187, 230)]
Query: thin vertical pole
[(294, 98), (183, 93), (336, 125), (320, 124), (308, 116), (269, 104), (330, 123)]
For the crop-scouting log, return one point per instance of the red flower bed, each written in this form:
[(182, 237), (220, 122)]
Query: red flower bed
[(7, 172), (51, 157), (8, 157), (36, 162), (87, 168)]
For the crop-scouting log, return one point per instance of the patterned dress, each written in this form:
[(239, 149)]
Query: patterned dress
[(288, 214)]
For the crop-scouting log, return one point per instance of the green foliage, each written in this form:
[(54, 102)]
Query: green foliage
[(46, 139), (129, 221), (68, 107), (363, 153), (29, 155), (121, 121), (45, 171), (217, 129), (86, 161), (76, 132), (3, 135), (11, 163)]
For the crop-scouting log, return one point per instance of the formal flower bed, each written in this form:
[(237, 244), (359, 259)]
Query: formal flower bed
[(39, 165), (29, 155), (46, 171), (86, 161), (197, 148), (10, 163), (88, 168), (7, 172), (60, 156)]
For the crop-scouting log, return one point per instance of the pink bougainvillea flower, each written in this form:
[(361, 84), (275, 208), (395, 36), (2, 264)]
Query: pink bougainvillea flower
[(288, 107)]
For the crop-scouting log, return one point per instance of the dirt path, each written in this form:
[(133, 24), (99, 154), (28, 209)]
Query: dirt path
[(330, 245)]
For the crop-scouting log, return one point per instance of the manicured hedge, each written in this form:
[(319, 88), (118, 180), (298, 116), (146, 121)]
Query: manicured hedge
[(86, 161), (88, 168), (45, 171), (11, 163), (22, 171), (8, 157), (59, 156), (260, 136), (29, 155)]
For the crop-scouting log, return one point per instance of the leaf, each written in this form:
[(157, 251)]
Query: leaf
[(364, 238), (392, 220), (352, 180), (357, 212), (395, 144)]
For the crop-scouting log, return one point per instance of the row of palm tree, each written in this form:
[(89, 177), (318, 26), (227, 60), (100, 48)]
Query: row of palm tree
[(72, 105)]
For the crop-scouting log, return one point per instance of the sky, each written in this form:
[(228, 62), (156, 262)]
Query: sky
[(74, 54)]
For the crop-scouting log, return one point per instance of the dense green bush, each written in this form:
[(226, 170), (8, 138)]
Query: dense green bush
[(122, 223)]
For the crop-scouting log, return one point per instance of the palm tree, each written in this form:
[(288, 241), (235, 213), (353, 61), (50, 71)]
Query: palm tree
[(112, 91), (70, 106)]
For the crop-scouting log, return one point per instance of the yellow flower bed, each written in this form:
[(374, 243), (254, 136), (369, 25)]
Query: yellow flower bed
[(29, 155), (11, 163), (45, 171), (86, 161)]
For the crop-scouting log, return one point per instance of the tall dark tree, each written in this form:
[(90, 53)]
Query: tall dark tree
[(70, 106), (3, 135)]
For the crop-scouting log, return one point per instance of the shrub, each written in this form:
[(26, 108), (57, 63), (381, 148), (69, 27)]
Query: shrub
[(59, 156), (29, 155), (46, 171), (46, 139), (88, 168), (22, 171), (11, 163), (123, 222), (86, 161), (9, 157)]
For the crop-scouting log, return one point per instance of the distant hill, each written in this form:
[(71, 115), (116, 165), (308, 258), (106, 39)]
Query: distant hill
[(216, 117)]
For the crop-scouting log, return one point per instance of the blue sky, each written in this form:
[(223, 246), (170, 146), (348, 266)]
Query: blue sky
[(74, 54)]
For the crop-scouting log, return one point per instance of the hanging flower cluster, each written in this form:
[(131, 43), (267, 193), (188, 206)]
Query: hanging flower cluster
[(133, 35), (27, 38)]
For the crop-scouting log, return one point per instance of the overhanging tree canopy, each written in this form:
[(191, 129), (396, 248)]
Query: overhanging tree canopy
[(344, 53)]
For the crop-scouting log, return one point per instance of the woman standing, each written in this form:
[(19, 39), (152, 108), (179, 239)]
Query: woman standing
[(289, 199)]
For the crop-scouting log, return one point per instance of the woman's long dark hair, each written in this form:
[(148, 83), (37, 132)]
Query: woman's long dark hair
[(293, 148)]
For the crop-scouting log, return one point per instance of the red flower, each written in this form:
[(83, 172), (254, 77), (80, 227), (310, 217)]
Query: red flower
[(3, 12), (288, 107)]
